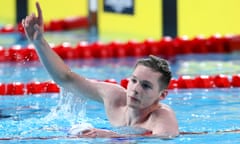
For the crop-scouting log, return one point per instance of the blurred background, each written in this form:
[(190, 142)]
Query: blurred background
[(130, 19)]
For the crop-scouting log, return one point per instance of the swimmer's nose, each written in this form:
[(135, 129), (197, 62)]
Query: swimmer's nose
[(133, 92), (136, 88)]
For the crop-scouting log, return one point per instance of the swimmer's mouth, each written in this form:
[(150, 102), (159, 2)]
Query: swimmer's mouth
[(134, 99)]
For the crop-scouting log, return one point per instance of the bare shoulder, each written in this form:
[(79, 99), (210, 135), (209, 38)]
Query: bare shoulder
[(164, 112), (112, 93), (111, 88), (165, 108), (164, 121)]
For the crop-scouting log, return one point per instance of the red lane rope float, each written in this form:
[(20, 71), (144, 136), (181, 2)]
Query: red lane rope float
[(16, 53), (54, 25), (183, 82), (17, 88), (166, 47)]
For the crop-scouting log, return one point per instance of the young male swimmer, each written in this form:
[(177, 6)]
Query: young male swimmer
[(137, 106)]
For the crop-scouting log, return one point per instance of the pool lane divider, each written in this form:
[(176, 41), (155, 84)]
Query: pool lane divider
[(183, 82), (166, 47)]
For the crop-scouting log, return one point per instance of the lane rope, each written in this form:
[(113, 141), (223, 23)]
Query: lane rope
[(166, 47), (182, 82)]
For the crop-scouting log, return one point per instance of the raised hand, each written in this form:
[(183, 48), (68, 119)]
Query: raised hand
[(33, 25)]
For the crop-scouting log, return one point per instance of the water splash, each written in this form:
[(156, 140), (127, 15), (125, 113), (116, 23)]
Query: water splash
[(70, 109)]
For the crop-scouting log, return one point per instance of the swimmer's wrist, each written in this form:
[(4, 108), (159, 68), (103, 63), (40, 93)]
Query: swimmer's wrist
[(38, 41)]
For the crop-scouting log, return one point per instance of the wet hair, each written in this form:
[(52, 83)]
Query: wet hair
[(158, 65)]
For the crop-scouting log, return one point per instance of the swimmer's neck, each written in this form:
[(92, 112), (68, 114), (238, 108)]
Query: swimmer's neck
[(135, 117)]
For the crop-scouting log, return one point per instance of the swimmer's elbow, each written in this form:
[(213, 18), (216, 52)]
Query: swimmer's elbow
[(173, 133)]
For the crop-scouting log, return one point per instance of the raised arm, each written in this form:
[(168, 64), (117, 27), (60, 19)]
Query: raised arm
[(59, 71), (33, 27)]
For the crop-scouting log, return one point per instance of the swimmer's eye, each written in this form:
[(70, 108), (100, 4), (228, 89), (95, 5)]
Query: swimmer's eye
[(146, 86), (133, 80)]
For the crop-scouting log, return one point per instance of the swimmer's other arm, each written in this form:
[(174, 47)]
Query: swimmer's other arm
[(103, 133)]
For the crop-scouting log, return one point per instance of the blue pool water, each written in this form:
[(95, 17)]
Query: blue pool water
[(34, 117)]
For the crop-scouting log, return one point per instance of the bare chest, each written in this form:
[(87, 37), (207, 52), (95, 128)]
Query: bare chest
[(119, 117)]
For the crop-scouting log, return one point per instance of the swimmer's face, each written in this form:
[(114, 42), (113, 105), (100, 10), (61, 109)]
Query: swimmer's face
[(143, 88)]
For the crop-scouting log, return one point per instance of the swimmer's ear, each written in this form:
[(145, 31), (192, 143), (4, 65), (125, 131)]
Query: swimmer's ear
[(163, 94)]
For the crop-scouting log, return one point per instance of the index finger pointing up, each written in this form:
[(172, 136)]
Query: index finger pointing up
[(39, 10)]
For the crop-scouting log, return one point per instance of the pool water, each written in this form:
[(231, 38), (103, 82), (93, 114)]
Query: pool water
[(41, 118)]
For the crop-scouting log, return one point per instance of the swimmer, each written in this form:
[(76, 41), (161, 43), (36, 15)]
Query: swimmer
[(138, 106)]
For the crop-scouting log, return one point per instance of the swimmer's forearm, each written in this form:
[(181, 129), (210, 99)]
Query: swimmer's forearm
[(62, 74), (52, 62)]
